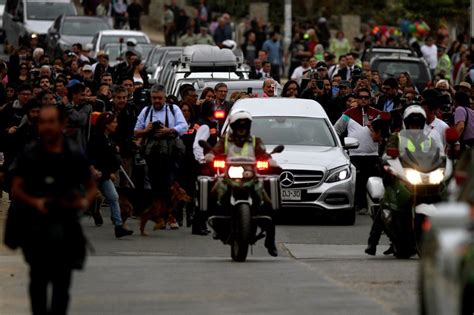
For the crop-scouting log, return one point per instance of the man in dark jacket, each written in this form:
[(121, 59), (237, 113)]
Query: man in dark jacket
[(48, 195)]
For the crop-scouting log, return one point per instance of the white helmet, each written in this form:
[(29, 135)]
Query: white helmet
[(240, 118), (414, 115), (229, 44)]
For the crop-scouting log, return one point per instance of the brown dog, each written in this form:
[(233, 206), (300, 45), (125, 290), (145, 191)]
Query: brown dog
[(161, 210), (126, 207)]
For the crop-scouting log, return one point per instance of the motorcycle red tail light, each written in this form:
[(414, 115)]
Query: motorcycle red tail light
[(219, 164), (262, 165), (426, 225), (219, 114)]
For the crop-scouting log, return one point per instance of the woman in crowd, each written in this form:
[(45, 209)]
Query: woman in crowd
[(291, 89), (207, 94), (404, 80), (138, 73), (104, 157), (189, 165)]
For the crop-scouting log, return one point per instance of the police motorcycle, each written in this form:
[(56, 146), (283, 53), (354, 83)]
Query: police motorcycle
[(416, 175), (240, 197)]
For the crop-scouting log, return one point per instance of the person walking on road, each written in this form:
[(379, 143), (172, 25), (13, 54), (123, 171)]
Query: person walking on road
[(106, 162), (51, 184)]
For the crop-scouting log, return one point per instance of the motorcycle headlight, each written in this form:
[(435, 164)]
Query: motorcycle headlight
[(413, 176), (236, 172), (437, 176), (339, 174)]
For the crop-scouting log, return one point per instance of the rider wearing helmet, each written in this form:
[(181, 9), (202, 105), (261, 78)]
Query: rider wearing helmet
[(239, 142), (414, 118)]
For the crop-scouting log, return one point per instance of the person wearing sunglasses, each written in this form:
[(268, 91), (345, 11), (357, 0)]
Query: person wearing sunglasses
[(356, 122)]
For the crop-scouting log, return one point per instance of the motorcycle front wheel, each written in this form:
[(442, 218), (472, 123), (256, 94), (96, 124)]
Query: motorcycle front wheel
[(242, 233)]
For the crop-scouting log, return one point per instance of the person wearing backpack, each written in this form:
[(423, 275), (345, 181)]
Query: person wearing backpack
[(464, 119), (160, 126)]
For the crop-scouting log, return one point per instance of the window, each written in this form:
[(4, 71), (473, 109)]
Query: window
[(293, 131), (48, 11)]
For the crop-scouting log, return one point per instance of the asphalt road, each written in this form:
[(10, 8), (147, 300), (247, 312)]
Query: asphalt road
[(321, 270)]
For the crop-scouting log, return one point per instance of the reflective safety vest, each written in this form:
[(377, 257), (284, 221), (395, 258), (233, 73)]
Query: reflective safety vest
[(411, 146), (232, 150)]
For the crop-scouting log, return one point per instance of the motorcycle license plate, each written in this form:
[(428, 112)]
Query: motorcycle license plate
[(290, 194)]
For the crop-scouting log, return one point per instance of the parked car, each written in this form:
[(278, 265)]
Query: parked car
[(382, 51), (392, 66), (116, 52), (68, 30), (317, 172), (22, 18), (103, 38), (159, 56)]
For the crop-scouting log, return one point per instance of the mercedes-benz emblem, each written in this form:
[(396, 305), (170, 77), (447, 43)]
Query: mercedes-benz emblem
[(287, 179)]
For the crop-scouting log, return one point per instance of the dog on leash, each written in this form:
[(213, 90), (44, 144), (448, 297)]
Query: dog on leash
[(126, 207), (161, 209)]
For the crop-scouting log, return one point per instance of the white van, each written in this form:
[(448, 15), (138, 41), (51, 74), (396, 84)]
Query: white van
[(25, 17)]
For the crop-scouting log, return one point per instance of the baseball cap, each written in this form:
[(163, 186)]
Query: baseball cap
[(464, 84), (321, 64), (72, 83), (87, 67), (131, 42), (102, 53)]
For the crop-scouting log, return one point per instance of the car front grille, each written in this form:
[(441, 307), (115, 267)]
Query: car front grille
[(295, 179)]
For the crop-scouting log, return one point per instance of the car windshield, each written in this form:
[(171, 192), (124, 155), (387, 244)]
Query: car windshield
[(2, 1), (391, 69), (83, 27), (108, 39), (48, 11), (293, 131)]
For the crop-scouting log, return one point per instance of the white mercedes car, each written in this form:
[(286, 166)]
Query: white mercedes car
[(317, 172)]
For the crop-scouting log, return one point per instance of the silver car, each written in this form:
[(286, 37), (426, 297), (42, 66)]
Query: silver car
[(317, 172)]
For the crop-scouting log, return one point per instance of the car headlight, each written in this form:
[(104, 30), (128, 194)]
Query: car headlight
[(413, 176), (338, 174), (236, 172), (437, 176)]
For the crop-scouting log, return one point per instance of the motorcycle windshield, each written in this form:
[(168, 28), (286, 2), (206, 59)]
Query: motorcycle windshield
[(420, 151)]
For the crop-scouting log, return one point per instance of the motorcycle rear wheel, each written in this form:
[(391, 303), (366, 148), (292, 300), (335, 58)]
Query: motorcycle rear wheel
[(240, 244)]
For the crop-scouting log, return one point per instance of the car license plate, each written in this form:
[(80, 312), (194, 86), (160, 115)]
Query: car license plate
[(290, 194)]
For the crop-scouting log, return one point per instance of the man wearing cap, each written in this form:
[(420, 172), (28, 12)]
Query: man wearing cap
[(298, 73), (322, 69), (88, 77), (204, 38), (101, 66), (464, 87), (444, 66)]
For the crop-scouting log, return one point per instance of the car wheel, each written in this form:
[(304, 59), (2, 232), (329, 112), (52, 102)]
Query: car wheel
[(347, 217)]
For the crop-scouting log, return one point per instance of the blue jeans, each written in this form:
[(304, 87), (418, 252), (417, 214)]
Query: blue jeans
[(107, 188)]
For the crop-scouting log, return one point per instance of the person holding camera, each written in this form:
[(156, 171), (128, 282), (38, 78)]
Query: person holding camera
[(160, 126)]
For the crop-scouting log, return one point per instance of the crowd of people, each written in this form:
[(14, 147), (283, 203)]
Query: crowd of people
[(140, 141)]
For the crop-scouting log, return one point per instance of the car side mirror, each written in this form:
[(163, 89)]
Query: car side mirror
[(278, 149), (350, 143)]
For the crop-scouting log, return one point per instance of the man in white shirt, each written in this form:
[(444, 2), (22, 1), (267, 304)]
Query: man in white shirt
[(299, 72), (433, 123), (430, 53)]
